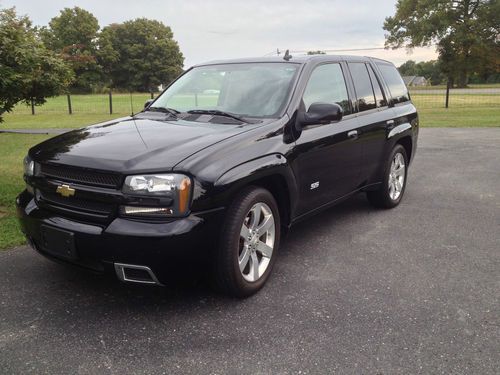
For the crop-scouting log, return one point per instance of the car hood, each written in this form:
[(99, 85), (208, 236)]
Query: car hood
[(134, 144)]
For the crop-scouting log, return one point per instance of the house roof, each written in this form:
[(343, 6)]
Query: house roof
[(408, 79), (414, 80)]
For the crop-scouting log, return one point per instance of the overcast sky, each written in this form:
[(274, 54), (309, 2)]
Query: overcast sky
[(218, 29)]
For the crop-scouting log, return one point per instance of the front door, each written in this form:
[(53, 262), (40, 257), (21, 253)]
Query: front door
[(329, 156)]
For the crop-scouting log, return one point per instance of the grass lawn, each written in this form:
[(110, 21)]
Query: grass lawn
[(89, 103), (53, 120), (13, 148), (459, 117)]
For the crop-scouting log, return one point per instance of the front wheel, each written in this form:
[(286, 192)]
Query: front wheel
[(394, 180), (249, 243)]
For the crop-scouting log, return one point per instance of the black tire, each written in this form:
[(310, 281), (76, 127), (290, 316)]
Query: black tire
[(381, 198), (227, 276)]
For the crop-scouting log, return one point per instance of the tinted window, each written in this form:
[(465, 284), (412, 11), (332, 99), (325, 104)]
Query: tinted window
[(379, 97), (397, 87), (363, 86), (327, 85)]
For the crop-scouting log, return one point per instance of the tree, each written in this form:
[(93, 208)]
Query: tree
[(318, 52), (463, 31), (28, 70), (139, 54), (408, 68), (73, 34), (431, 70)]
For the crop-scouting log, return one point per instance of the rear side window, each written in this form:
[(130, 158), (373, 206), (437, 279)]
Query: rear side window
[(363, 86), (379, 96), (327, 85), (397, 87)]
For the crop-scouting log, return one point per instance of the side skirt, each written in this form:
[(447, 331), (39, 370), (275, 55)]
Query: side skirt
[(325, 206)]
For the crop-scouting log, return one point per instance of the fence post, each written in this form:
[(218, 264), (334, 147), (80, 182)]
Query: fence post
[(70, 110), (110, 102), (131, 104), (447, 93), (152, 95), (32, 106)]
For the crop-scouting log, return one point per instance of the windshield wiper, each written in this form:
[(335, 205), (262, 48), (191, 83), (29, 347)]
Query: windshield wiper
[(216, 112), (170, 111)]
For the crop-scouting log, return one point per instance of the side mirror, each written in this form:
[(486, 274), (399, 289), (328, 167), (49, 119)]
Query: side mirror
[(148, 103), (320, 113)]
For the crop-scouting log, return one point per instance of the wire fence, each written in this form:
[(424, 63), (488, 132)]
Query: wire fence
[(107, 103), (435, 97), (426, 97)]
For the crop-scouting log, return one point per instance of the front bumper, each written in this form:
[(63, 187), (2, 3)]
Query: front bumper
[(164, 247)]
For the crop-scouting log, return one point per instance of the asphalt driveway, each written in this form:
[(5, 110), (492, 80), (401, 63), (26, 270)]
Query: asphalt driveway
[(355, 290)]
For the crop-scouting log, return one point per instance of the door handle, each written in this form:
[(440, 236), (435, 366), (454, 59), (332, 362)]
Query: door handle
[(390, 122), (353, 134)]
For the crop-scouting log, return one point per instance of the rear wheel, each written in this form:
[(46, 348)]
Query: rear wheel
[(249, 242), (394, 180)]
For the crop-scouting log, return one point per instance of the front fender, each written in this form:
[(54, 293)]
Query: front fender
[(273, 165)]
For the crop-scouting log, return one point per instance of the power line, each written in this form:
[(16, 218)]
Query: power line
[(330, 50), (333, 50)]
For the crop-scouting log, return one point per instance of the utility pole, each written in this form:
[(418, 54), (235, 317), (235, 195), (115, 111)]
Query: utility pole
[(278, 51)]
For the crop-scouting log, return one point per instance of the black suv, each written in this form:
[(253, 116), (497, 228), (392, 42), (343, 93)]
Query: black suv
[(213, 171)]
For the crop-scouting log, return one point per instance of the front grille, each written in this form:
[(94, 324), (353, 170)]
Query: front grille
[(81, 175), (76, 204)]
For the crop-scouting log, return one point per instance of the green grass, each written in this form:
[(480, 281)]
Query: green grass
[(89, 103), (53, 120), (13, 148), (465, 110), (457, 101), (87, 110), (459, 117)]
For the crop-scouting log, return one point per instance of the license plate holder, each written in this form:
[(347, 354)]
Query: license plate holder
[(58, 242)]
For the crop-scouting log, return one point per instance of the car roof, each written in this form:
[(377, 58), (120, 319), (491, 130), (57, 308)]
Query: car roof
[(299, 59)]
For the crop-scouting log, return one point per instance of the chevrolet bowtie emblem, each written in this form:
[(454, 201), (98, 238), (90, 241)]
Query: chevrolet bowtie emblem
[(65, 191)]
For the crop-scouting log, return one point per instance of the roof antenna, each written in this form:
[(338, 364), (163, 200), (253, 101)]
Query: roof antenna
[(287, 56)]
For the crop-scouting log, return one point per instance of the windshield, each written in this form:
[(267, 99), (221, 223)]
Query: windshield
[(252, 90)]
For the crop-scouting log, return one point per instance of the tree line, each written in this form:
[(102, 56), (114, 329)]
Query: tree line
[(434, 73), (465, 33), (74, 53)]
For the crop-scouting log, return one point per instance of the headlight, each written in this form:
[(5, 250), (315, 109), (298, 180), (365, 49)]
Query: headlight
[(29, 166), (175, 186)]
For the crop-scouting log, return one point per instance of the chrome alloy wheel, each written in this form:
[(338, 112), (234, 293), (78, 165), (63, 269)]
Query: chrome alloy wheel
[(257, 237), (396, 176)]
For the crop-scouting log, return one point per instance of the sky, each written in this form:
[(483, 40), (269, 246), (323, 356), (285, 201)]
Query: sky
[(220, 29)]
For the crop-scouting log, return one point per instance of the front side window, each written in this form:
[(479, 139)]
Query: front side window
[(396, 85), (362, 86), (327, 85), (250, 89)]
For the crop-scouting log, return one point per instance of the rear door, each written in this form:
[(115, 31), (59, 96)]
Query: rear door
[(374, 116)]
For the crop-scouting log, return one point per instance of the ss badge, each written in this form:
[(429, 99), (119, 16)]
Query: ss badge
[(315, 185)]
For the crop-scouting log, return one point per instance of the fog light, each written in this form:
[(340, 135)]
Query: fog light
[(146, 211)]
